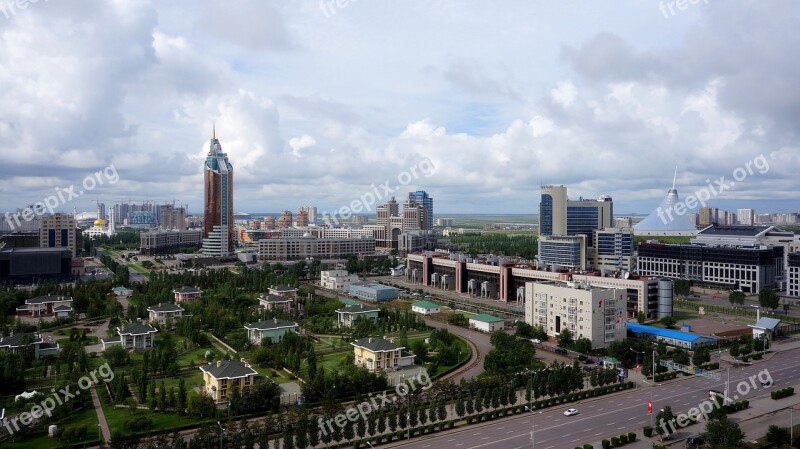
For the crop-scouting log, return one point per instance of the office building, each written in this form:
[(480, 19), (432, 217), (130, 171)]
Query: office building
[(612, 250), (561, 216), (171, 217), (793, 275), (445, 222), (319, 248), (58, 231), (372, 292), (746, 217), (587, 311), (338, 280), (169, 241), (424, 200), (218, 235), (32, 265), (559, 252)]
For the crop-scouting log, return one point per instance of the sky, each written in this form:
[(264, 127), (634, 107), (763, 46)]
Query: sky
[(335, 102)]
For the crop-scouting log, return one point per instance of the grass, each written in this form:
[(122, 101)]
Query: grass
[(90, 340), (40, 440), (197, 355), (466, 353)]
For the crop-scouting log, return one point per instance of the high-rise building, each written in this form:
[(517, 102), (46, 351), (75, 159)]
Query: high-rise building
[(558, 215), (269, 222), (58, 230), (311, 212), (101, 211), (746, 217), (285, 220), (302, 218), (218, 232), (171, 217), (422, 198)]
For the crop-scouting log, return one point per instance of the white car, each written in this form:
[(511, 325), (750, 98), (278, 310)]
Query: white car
[(571, 411)]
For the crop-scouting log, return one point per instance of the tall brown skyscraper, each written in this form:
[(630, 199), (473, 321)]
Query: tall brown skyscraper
[(218, 234)]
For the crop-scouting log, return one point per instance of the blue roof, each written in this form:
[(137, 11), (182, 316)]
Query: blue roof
[(637, 328)]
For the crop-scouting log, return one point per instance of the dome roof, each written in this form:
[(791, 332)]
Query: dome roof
[(100, 222)]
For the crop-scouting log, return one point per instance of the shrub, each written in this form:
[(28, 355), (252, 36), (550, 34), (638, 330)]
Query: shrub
[(588, 446), (614, 442), (606, 444), (623, 439), (647, 431), (631, 437)]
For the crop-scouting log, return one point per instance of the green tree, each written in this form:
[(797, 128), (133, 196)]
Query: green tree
[(583, 345), (664, 416), (680, 356), (701, 355), (668, 321), (722, 432), (460, 406), (640, 317), (682, 287), (778, 436), (180, 400), (565, 338), (736, 297), (769, 299)]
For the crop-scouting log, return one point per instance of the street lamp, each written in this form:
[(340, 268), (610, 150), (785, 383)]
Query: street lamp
[(637, 360), (220, 434), (533, 426)]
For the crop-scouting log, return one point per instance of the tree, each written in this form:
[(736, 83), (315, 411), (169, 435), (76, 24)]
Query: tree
[(682, 287), (458, 319), (180, 401), (640, 317), (680, 356), (736, 297), (733, 350), (565, 338), (768, 299), (524, 330), (701, 355), (722, 432), (668, 321), (778, 436), (582, 345), (460, 406), (664, 418)]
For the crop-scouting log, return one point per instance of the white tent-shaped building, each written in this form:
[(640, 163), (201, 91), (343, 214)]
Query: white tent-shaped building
[(666, 220)]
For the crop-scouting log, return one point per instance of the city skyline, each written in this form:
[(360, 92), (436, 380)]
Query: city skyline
[(550, 111)]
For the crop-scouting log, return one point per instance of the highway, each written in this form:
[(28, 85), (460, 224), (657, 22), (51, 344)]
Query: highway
[(618, 413)]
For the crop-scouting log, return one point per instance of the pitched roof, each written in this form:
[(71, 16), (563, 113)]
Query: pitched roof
[(47, 298), (767, 323), (376, 344), (360, 308), (282, 288), (270, 324), (16, 340), (62, 308), (637, 328), (275, 298), (669, 223), (426, 305), (486, 318), (137, 329), (227, 369), (353, 302), (165, 307), (187, 290)]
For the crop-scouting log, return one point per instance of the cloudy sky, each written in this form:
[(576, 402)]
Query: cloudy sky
[(320, 104)]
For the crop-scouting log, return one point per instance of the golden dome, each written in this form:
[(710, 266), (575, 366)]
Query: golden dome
[(100, 222)]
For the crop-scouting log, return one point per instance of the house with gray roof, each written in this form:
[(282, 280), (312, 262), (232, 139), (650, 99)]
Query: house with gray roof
[(19, 342), (163, 312), (136, 336), (378, 354), (222, 376), (47, 305), (187, 294), (350, 313), (273, 329)]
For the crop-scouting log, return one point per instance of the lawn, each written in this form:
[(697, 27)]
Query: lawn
[(40, 440), (466, 353), (197, 355)]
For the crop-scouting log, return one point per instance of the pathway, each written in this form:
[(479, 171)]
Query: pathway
[(101, 417)]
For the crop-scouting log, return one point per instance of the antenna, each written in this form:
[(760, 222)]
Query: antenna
[(674, 177)]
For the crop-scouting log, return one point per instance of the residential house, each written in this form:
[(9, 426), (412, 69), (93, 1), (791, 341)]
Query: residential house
[(349, 314), (273, 329), (378, 354), (222, 376)]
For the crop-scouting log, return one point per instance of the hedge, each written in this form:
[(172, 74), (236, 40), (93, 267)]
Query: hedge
[(782, 393)]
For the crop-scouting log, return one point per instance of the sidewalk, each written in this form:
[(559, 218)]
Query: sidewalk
[(101, 416)]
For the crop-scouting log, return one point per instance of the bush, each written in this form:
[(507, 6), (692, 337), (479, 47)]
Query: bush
[(782, 393), (588, 446), (614, 442), (631, 437), (606, 444), (623, 439), (647, 431)]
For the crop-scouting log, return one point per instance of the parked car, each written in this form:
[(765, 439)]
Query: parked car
[(571, 411), (766, 383), (695, 442)]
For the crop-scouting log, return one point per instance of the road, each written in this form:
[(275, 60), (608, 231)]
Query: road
[(620, 413)]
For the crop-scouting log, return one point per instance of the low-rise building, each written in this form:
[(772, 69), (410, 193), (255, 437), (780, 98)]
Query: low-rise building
[(669, 336), (187, 294), (19, 342), (273, 329), (377, 354), (425, 308), (587, 311), (373, 292), (165, 241), (48, 305), (319, 248), (275, 302), (486, 323), (349, 314), (338, 280), (135, 336), (164, 313), (284, 290), (122, 292), (223, 376)]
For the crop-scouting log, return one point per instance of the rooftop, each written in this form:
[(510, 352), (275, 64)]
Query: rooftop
[(270, 324), (637, 328), (274, 298), (228, 369), (17, 340), (486, 318), (426, 305), (767, 323), (136, 329), (375, 344), (360, 308), (283, 288), (734, 230), (187, 290), (165, 307), (47, 298)]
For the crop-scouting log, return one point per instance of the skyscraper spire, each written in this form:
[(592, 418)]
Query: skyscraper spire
[(675, 177), (214, 131)]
